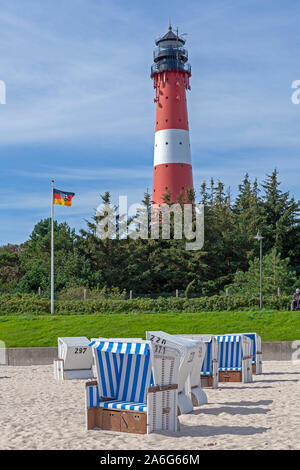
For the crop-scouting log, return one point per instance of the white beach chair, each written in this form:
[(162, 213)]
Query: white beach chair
[(192, 353), (210, 367), (136, 387), (235, 360), (256, 352), (75, 359)]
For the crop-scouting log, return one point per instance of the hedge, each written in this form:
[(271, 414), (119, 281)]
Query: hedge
[(11, 304)]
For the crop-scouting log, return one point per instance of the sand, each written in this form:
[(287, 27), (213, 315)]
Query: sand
[(37, 412)]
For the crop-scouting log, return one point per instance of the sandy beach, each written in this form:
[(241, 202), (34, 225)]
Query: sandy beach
[(37, 412)]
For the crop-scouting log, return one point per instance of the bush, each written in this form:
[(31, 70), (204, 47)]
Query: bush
[(33, 304), (23, 303), (77, 293)]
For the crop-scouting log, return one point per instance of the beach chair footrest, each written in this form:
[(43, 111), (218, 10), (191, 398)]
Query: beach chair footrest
[(117, 420), (207, 381), (230, 376)]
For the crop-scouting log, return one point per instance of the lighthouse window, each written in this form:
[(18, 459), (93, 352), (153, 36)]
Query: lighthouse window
[(182, 187), (179, 120), (167, 166), (166, 120), (167, 97), (167, 143), (180, 143)]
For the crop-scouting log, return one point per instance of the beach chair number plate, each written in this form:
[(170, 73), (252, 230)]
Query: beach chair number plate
[(80, 350), (159, 348)]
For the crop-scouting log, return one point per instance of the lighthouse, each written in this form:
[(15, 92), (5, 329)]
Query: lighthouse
[(172, 173)]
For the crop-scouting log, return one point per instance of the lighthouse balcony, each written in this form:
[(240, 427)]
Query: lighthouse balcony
[(170, 64)]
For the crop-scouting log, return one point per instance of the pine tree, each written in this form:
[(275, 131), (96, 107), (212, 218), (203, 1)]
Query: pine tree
[(280, 219), (247, 211), (276, 274)]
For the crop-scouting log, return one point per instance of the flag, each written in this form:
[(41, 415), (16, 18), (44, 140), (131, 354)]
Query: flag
[(63, 198)]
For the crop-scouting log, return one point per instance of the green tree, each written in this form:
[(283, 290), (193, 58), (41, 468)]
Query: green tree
[(10, 267), (70, 266), (280, 219), (106, 251), (276, 274)]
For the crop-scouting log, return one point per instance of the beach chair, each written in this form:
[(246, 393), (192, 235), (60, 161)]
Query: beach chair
[(192, 353), (256, 352), (235, 360), (210, 368), (75, 359), (136, 388)]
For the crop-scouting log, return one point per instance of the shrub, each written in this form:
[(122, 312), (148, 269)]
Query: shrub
[(33, 304), (23, 303), (77, 293)]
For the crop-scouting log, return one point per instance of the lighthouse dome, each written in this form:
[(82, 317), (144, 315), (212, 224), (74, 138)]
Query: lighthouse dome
[(170, 39)]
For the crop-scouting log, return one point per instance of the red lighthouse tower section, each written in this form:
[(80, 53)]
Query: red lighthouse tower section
[(172, 155)]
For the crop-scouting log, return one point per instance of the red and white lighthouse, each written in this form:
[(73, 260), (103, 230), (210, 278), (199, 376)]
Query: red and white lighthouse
[(172, 155)]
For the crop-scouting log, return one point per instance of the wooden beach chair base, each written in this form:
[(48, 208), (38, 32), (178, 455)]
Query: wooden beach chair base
[(253, 368), (230, 376), (135, 421), (206, 381), (117, 420)]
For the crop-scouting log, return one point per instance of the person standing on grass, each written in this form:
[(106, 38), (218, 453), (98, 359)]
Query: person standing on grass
[(296, 300)]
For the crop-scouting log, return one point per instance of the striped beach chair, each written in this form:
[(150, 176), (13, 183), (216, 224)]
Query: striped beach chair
[(136, 387), (210, 368), (192, 353), (235, 360), (256, 352)]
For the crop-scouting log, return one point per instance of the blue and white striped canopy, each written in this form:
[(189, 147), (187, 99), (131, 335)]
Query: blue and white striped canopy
[(121, 348), (229, 338), (124, 370), (253, 346), (230, 352), (207, 364), (252, 336)]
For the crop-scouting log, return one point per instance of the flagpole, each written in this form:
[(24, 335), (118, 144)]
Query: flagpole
[(52, 248)]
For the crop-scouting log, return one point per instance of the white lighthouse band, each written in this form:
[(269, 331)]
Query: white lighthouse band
[(172, 146)]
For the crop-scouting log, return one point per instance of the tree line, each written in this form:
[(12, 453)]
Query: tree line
[(228, 260)]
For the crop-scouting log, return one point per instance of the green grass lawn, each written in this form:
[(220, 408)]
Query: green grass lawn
[(34, 330)]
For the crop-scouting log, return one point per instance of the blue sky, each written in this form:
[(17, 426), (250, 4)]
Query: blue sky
[(80, 100)]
